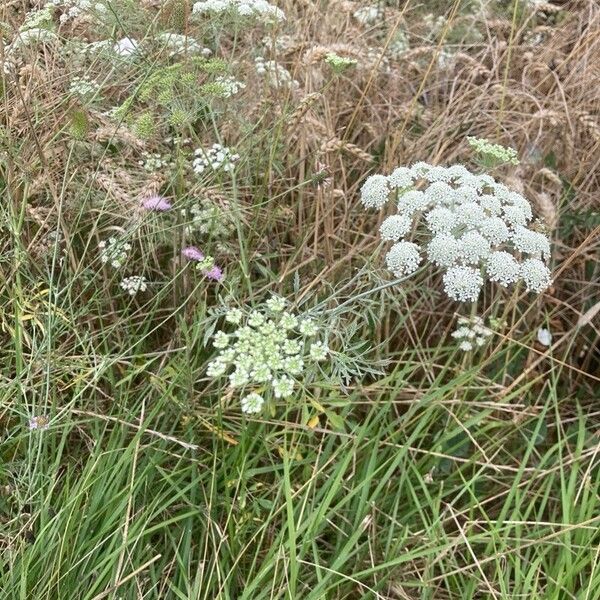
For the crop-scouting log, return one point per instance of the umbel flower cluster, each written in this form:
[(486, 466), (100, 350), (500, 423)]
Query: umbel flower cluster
[(242, 8), (495, 154), (275, 74), (215, 158), (114, 252), (266, 353), (471, 333), (209, 219), (470, 225)]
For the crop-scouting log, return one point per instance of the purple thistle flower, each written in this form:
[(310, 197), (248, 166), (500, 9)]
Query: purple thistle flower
[(41, 422), (192, 253), (215, 273), (158, 203)]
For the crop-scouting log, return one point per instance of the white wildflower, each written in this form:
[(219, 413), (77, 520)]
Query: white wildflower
[(239, 377), (395, 227), (276, 303), (288, 321), (438, 192), (443, 250), (294, 365), (241, 8), (412, 201), (401, 178), (319, 351), (473, 247), (514, 215), (470, 214), (256, 319), (275, 74), (530, 242), (114, 252), (441, 220), (471, 332), (221, 340), (216, 158), (463, 283), (495, 230), (234, 315), (502, 268), (536, 275), (216, 368), (308, 328), (134, 284), (375, 192), (84, 87), (491, 204), (252, 403), (283, 387), (462, 219), (228, 86), (403, 258)]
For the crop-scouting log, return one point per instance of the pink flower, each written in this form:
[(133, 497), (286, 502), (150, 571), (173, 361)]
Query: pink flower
[(159, 203), (215, 273), (192, 253)]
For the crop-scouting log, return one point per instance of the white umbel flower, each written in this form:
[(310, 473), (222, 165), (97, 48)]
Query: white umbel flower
[(438, 192), (401, 178), (234, 316), (470, 214), (536, 275), (463, 283), (514, 216), (495, 230), (252, 403), (441, 220), (276, 304), (530, 242), (403, 258), (443, 250), (491, 204), (473, 247), (468, 223), (375, 192), (395, 227), (134, 284), (502, 268), (412, 201), (283, 387), (221, 340), (319, 351)]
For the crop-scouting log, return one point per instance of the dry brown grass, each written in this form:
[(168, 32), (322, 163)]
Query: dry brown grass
[(530, 83)]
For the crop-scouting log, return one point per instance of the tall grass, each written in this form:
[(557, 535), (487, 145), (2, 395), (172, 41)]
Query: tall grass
[(404, 468)]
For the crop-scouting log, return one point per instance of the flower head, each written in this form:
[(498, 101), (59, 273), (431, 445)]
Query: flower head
[(134, 284), (268, 350), (252, 403), (403, 258), (470, 225), (40, 423), (158, 203), (192, 253), (283, 387), (463, 283), (375, 192), (215, 273)]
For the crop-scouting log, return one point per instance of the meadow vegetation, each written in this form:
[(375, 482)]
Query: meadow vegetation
[(299, 299)]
